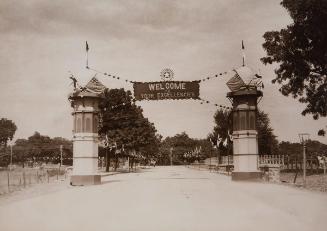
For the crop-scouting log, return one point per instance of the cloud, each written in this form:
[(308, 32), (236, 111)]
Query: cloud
[(125, 19)]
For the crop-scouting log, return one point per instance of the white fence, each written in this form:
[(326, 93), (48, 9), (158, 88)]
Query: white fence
[(271, 160)]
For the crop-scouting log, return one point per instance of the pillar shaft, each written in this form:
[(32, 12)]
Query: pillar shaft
[(245, 136)]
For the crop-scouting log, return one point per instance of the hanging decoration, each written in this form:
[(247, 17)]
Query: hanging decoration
[(167, 90), (221, 74), (202, 101), (110, 75)]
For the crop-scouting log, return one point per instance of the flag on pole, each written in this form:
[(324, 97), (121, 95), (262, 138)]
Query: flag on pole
[(87, 47), (235, 83)]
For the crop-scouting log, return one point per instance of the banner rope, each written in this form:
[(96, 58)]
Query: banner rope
[(221, 74), (109, 75), (203, 101), (106, 74)]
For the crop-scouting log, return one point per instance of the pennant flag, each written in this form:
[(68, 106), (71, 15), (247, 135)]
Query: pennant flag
[(218, 140), (230, 135), (225, 143), (258, 76), (87, 47)]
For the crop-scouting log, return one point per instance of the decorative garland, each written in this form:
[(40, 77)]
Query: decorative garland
[(215, 104), (110, 75), (215, 76), (106, 74)]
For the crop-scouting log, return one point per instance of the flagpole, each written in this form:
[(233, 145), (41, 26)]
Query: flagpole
[(87, 55), (243, 54), (87, 60)]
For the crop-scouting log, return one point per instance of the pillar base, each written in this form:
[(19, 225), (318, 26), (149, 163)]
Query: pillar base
[(81, 180), (246, 176)]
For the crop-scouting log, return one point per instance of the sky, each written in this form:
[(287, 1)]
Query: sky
[(42, 42)]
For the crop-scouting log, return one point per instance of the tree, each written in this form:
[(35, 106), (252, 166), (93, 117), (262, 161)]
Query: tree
[(182, 144), (178, 145), (7, 131), (124, 124), (41, 148), (267, 141), (223, 124), (295, 150), (321, 132), (300, 49)]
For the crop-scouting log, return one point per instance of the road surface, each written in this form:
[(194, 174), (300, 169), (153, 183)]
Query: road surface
[(169, 198)]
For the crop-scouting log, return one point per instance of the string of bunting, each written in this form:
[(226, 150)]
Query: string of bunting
[(221, 74), (110, 75), (134, 100), (129, 81), (215, 104), (202, 101), (123, 104), (35, 158)]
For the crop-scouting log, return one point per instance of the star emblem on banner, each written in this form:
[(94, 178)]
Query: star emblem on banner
[(167, 74)]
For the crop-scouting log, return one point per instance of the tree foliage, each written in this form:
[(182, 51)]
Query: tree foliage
[(267, 141), (7, 131), (321, 132), (300, 49), (295, 150), (181, 144), (124, 124), (41, 148), (223, 124)]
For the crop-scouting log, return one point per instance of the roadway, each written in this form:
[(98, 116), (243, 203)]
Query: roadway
[(169, 198)]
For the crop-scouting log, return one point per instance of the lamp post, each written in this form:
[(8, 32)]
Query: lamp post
[(106, 144), (61, 155), (304, 137)]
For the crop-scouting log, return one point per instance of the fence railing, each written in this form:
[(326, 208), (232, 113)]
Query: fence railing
[(271, 160), (226, 160), (284, 162), (12, 179)]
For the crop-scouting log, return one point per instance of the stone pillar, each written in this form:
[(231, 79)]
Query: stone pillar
[(245, 136), (85, 105), (274, 174)]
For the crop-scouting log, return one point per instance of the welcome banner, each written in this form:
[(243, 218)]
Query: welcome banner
[(167, 90)]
